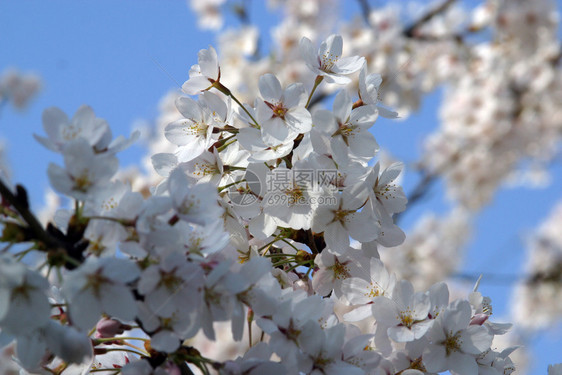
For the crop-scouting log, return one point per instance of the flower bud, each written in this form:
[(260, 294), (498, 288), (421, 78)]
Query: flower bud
[(109, 328), (479, 319)]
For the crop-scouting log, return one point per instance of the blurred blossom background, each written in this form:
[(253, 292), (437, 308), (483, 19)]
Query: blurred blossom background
[(477, 85)]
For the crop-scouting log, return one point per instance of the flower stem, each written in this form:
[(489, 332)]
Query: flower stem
[(317, 82), (221, 188), (109, 339), (124, 350), (226, 145), (222, 88)]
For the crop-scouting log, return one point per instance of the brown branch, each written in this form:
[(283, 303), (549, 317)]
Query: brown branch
[(411, 31), (20, 204), (50, 240), (421, 189), (365, 10)]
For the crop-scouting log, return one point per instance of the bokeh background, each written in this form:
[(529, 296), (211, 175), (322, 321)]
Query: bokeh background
[(122, 57)]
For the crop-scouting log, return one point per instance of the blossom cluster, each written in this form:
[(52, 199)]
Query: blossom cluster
[(541, 285), (223, 238), (500, 115), (18, 88)]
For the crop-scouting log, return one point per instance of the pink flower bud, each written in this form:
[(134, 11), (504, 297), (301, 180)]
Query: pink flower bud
[(478, 319), (172, 369), (109, 328)]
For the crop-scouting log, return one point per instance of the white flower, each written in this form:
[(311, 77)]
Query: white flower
[(172, 286), (288, 200), (251, 139), (23, 303), (167, 333), (333, 269), (339, 218), (362, 292), (405, 314), (328, 61), (85, 171), (68, 343), (202, 76), (195, 204), (194, 132), (63, 341), (99, 285), (347, 129), (369, 92), (61, 131), (323, 346), (209, 13), (385, 197), (282, 113), (110, 360), (453, 344), (254, 362)]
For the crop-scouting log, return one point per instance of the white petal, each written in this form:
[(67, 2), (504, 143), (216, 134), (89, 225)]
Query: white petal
[(118, 301), (358, 314), (385, 311), (342, 106), (30, 350), (165, 341), (53, 120), (462, 364), (348, 65), (308, 53), (164, 163), (270, 88), (434, 358), (189, 108), (475, 339), (400, 334), (85, 310), (208, 63), (195, 85)]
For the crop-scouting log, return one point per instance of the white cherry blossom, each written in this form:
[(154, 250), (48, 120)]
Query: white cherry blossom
[(282, 114), (99, 286), (202, 76), (328, 61)]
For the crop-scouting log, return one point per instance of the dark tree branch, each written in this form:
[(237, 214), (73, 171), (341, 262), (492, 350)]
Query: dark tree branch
[(421, 189), (411, 31), (52, 240), (20, 204), (365, 10)]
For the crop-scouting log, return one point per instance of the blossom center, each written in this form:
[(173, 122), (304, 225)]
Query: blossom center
[(374, 291), (406, 318), (205, 169), (82, 182), (296, 195), (278, 109), (71, 132), (169, 280), (327, 61), (340, 270), (452, 343), (195, 128)]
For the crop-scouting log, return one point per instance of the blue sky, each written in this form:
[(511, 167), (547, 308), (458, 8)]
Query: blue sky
[(111, 55)]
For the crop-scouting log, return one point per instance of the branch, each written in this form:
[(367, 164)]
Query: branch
[(20, 203), (410, 32), (365, 10), (67, 248), (421, 189)]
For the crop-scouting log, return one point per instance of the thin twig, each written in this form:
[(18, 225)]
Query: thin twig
[(365, 10), (421, 189), (410, 32), (21, 205)]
